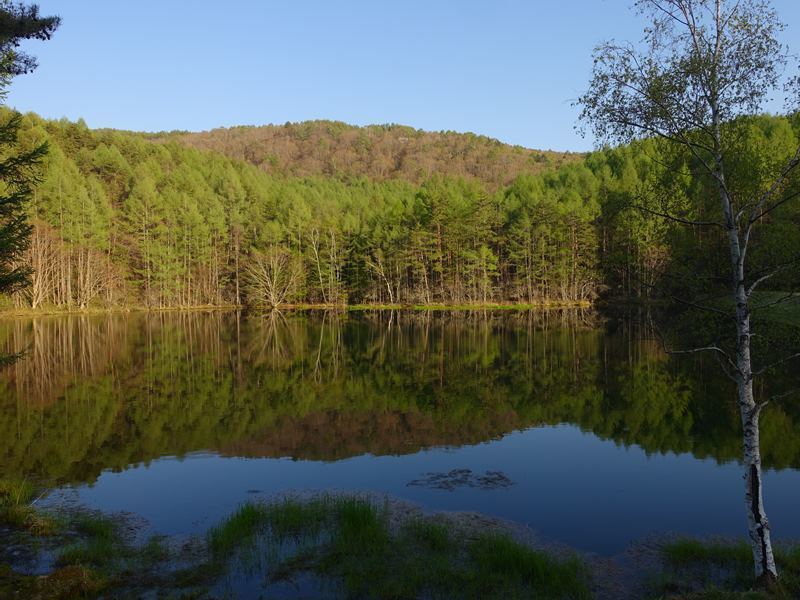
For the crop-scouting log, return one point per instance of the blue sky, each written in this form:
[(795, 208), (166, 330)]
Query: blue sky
[(504, 68)]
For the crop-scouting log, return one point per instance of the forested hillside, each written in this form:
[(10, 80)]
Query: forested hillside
[(335, 149), (120, 219)]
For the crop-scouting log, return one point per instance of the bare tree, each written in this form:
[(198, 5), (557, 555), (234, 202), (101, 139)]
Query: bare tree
[(378, 266), (41, 256), (272, 276), (702, 65)]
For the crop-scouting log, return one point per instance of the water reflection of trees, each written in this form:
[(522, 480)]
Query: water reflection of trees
[(109, 391)]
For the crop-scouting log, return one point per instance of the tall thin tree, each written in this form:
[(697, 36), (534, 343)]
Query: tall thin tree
[(703, 65)]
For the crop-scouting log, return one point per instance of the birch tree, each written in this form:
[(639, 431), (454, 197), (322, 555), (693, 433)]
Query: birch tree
[(702, 66)]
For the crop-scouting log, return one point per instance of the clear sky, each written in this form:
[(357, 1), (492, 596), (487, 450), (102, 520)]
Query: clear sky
[(504, 68)]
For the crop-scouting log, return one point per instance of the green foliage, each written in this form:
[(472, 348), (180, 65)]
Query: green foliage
[(119, 219), (19, 166), (20, 22)]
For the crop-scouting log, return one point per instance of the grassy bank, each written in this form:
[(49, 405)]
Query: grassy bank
[(344, 546), (349, 547), (712, 570), (89, 554), (355, 546)]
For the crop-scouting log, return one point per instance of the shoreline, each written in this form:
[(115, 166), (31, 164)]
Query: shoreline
[(641, 569), (433, 307)]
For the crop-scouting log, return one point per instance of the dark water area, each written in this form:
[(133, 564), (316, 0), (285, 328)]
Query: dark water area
[(587, 433)]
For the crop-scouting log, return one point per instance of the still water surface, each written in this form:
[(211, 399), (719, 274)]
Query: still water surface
[(592, 437)]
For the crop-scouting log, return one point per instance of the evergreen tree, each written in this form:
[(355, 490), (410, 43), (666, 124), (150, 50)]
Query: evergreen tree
[(17, 169)]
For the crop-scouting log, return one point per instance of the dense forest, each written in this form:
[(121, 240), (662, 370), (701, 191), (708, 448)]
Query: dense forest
[(125, 219)]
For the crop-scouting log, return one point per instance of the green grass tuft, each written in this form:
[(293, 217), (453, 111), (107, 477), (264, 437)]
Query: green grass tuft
[(729, 568), (238, 528), (360, 527), (154, 550), (16, 510), (294, 518), (92, 553), (355, 547), (501, 563), (15, 492), (95, 526), (434, 537), (684, 552)]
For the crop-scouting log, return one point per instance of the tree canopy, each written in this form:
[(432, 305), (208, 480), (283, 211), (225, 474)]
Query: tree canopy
[(119, 219)]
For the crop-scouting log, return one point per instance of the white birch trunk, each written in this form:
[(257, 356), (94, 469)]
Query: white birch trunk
[(757, 522)]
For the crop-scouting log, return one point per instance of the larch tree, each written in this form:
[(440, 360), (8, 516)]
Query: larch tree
[(702, 67)]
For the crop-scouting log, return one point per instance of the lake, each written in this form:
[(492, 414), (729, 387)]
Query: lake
[(584, 430)]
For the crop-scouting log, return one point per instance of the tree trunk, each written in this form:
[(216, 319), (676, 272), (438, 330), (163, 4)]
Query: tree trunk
[(757, 522)]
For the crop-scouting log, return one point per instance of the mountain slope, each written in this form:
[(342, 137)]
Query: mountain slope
[(381, 152)]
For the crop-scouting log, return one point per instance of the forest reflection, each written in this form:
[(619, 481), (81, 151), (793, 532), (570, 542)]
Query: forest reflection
[(110, 391)]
